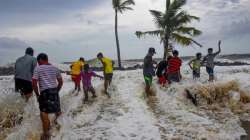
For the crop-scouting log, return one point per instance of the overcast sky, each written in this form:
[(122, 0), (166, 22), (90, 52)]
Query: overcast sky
[(68, 29)]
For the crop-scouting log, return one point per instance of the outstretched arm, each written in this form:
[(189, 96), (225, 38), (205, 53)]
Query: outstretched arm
[(96, 75)]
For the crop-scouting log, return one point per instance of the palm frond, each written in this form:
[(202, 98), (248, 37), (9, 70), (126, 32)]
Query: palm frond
[(183, 40), (116, 3), (127, 3), (177, 4), (158, 18), (122, 9), (188, 30), (140, 34)]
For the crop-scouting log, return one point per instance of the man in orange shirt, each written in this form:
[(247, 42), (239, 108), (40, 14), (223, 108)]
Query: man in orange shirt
[(76, 69)]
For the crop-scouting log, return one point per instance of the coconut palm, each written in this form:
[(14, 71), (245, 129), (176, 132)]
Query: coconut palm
[(120, 6), (172, 26)]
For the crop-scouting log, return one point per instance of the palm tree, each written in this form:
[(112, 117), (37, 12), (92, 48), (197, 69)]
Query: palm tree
[(172, 26), (120, 6)]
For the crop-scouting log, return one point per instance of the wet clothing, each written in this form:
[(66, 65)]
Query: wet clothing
[(23, 86), (76, 79), (108, 76), (148, 67), (161, 68), (196, 74), (196, 65), (49, 101), (76, 67), (174, 65), (162, 80), (173, 70), (209, 59), (107, 65), (24, 67), (47, 76), (174, 77), (210, 71), (86, 79), (148, 80)]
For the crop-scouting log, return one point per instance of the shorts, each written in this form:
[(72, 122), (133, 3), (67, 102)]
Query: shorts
[(108, 76), (148, 80), (174, 77), (76, 79), (49, 101), (23, 86), (210, 71), (162, 80), (196, 74)]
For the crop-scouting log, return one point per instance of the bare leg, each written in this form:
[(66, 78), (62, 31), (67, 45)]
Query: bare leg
[(27, 97), (46, 125), (147, 89), (86, 97), (92, 90)]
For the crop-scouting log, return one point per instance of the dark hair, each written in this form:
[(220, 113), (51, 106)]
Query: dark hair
[(82, 59), (151, 50), (175, 53), (198, 54), (29, 51), (100, 55), (42, 56), (86, 67), (210, 49)]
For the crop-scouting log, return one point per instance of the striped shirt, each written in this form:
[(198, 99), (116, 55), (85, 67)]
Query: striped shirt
[(47, 76), (174, 65)]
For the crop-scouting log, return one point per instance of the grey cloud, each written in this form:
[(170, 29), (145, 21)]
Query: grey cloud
[(12, 43), (237, 29)]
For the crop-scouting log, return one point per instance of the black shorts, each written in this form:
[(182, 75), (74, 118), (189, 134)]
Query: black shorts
[(49, 101), (108, 76), (196, 74), (23, 86)]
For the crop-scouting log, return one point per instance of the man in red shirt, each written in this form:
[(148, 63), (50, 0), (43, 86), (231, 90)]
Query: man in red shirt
[(174, 66)]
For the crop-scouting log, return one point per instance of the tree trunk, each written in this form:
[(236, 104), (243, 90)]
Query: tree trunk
[(117, 40), (166, 54)]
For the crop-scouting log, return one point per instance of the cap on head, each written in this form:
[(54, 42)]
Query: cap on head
[(42, 57), (175, 53), (29, 51), (151, 50), (100, 55)]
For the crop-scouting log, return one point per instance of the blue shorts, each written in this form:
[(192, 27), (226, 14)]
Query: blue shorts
[(210, 71)]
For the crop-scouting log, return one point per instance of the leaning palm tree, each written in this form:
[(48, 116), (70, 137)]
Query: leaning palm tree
[(120, 6), (172, 26)]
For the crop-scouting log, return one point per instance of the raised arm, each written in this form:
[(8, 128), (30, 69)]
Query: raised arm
[(219, 44)]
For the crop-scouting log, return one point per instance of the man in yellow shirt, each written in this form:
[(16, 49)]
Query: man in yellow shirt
[(76, 69), (107, 70)]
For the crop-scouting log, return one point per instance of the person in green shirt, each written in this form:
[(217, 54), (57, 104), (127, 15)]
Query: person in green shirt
[(195, 65)]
